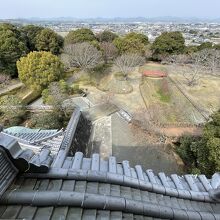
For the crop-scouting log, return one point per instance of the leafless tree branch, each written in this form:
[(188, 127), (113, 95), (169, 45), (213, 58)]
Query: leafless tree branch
[(127, 62), (109, 51), (82, 55)]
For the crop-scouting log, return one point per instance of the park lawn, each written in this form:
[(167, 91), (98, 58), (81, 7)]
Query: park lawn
[(205, 94), (159, 105), (167, 107)]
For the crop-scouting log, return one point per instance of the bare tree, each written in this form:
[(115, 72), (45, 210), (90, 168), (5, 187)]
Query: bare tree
[(109, 51), (55, 96), (82, 55), (194, 71), (212, 61), (127, 62), (191, 66)]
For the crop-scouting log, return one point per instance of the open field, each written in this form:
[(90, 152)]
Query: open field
[(170, 108), (183, 104), (206, 94)]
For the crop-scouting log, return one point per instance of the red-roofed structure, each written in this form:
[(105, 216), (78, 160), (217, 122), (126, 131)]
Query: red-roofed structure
[(154, 73)]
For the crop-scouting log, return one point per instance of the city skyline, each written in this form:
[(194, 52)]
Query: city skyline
[(13, 9)]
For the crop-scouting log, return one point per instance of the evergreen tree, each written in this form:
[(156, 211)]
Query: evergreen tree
[(12, 47), (39, 69)]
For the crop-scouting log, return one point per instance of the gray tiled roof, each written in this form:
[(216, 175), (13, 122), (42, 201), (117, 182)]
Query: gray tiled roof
[(32, 137), (109, 171), (50, 196), (51, 152), (25, 159), (87, 184), (38, 140), (8, 171), (76, 187)]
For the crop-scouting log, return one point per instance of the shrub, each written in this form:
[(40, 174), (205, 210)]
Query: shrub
[(39, 69), (12, 110), (202, 153), (57, 91), (49, 120)]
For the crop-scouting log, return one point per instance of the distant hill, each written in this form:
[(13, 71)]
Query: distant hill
[(113, 20)]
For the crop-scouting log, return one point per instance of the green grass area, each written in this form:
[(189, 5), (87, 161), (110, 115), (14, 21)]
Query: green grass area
[(158, 104), (155, 88), (163, 90), (163, 97), (166, 108), (166, 104)]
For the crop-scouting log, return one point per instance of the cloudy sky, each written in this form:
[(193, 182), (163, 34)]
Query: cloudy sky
[(109, 8)]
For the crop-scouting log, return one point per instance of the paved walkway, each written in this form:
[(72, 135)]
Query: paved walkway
[(101, 137)]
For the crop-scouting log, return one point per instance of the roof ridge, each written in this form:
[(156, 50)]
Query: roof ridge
[(99, 201), (122, 180)]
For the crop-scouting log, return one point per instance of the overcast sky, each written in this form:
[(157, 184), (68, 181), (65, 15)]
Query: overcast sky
[(109, 8)]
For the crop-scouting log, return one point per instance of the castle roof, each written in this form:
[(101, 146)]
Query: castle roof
[(77, 187)]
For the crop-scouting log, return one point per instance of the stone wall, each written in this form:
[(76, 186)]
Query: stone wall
[(82, 135)]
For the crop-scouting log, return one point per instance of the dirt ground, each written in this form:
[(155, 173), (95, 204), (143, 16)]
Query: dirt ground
[(205, 94), (177, 132)]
